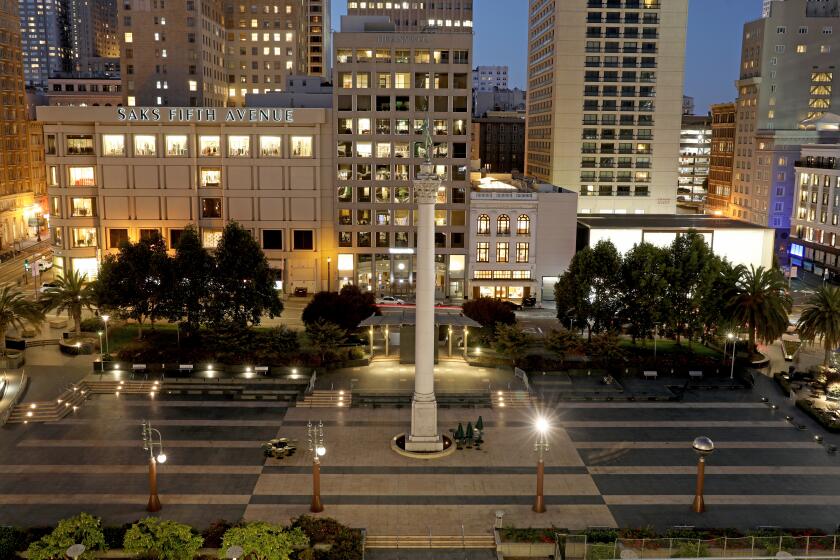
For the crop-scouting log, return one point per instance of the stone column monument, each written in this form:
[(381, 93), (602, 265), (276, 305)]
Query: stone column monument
[(424, 436)]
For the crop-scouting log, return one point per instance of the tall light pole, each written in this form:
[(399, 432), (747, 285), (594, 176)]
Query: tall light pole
[(105, 320), (101, 353), (316, 447), (731, 337), (541, 446), (149, 444), (329, 274), (703, 446), (655, 335)]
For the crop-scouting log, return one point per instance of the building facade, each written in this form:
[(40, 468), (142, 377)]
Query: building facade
[(84, 90), (94, 44), (489, 78), (787, 76), (512, 100), (499, 142), (117, 174), (688, 105), (522, 238), (45, 32), (721, 159), (815, 227), (605, 93), (319, 36), (172, 53), (19, 173), (695, 152), (453, 15), (387, 86)]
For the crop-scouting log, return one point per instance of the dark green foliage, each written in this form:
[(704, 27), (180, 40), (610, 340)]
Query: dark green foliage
[(513, 342), (214, 534), (489, 312), (191, 290), (643, 281), (347, 308), (114, 535), (760, 300), (93, 324), (479, 425), (12, 540)]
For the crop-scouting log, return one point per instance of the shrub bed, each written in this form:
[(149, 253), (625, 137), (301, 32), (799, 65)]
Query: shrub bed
[(826, 420)]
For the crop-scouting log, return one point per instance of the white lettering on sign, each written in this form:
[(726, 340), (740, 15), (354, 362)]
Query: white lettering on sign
[(204, 114), (402, 39)]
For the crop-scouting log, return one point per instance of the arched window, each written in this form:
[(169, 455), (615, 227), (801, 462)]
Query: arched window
[(503, 225), (483, 225), (523, 225)]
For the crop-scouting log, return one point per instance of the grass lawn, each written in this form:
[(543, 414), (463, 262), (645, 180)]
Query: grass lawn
[(667, 347), (124, 335)]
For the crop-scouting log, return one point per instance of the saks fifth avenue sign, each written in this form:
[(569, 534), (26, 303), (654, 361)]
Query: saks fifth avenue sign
[(204, 114)]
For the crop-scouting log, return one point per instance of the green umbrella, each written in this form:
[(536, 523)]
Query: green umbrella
[(469, 434)]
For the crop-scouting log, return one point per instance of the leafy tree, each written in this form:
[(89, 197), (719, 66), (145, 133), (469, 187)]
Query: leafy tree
[(347, 308), (821, 318), (563, 342), (513, 342), (83, 529), (72, 294), (489, 312), (688, 257), (191, 290), (15, 310), (243, 285), (264, 541), (760, 301), (284, 340), (164, 540), (606, 349), (716, 290), (588, 294), (644, 287), (324, 336), (138, 282)]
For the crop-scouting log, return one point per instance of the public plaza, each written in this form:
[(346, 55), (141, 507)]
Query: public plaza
[(609, 464)]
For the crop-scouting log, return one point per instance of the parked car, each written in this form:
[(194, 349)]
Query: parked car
[(529, 301), (301, 292), (512, 304), (45, 264), (47, 286), (390, 300)]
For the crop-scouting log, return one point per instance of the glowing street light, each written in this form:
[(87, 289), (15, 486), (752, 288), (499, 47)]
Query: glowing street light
[(731, 337), (105, 320), (318, 450), (541, 446), (149, 444), (703, 446)]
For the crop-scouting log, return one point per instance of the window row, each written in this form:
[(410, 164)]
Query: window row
[(615, 76), (398, 195), (272, 239), (85, 176), (501, 274), (523, 225), (400, 172), (623, 120), (397, 239), (402, 80), (399, 218), (178, 145), (482, 252), (348, 149), (367, 125), (402, 56), (400, 103)]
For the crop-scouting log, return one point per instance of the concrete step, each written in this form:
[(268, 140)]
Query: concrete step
[(425, 541), (326, 399), (512, 399)]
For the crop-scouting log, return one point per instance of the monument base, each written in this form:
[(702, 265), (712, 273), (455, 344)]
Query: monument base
[(398, 445), (423, 436)]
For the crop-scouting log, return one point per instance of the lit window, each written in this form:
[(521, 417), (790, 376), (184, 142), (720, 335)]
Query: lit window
[(523, 225), (503, 225), (482, 252), (210, 177), (144, 145), (483, 225), (113, 144), (193, 85), (84, 237), (82, 207), (210, 238), (270, 146), (522, 252), (301, 146), (502, 252), (209, 146), (239, 146), (82, 177), (176, 145), (129, 37)]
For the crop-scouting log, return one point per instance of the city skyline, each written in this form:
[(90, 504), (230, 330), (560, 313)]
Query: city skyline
[(712, 50)]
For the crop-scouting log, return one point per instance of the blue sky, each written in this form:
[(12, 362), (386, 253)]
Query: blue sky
[(712, 51)]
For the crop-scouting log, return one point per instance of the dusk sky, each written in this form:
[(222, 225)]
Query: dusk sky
[(713, 48)]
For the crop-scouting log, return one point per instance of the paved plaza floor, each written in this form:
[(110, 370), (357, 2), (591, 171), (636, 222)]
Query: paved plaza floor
[(610, 464)]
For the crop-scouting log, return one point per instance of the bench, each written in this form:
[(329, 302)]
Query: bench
[(185, 367), (696, 374), (651, 375), (138, 367), (261, 369)]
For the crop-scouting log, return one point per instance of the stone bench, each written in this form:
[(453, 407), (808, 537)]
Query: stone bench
[(650, 375), (696, 374), (58, 323), (138, 367)]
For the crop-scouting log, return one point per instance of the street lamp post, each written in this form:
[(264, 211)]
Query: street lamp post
[(149, 445), (703, 446), (541, 446), (731, 337), (329, 274), (105, 320), (101, 353), (655, 335), (316, 447)]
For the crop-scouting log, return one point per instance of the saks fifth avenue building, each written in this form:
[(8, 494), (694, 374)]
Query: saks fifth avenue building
[(121, 173)]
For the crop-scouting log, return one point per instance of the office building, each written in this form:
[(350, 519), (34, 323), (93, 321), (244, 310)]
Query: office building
[(695, 151), (499, 143), (308, 92), (114, 176), (688, 105), (787, 74), (605, 94), (815, 227), (172, 53), (721, 159), (453, 15), (489, 78), (45, 33), (94, 44), (80, 89), (19, 173), (522, 236), (318, 38), (267, 41), (386, 85)]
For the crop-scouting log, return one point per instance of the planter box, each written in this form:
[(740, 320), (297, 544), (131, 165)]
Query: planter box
[(526, 550), (13, 360)]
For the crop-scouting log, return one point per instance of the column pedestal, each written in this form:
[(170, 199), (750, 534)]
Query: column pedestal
[(423, 436)]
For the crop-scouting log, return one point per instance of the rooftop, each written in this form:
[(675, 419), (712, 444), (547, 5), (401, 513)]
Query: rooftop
[(662, 221)]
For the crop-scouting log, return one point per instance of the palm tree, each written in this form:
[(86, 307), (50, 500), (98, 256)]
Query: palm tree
[(72, 294), (821, 317), (15, 310), (760, 301)]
